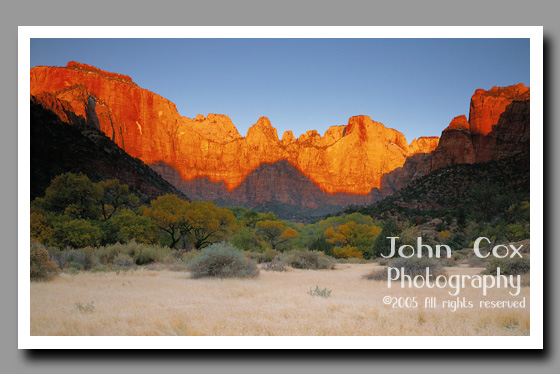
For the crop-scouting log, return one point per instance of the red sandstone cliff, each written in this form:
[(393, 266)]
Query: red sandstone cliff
[(488, 106), (350, 159), (498, 127)]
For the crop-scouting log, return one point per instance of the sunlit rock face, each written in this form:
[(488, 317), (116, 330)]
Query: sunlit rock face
[(498, 127), (424, 144), (487, 106), (348, 159)]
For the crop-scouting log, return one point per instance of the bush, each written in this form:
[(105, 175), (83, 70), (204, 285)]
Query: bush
[(107, 253), (312, 260), (377, 275), (347, 252), (141, 253), (224, 261), (82, 259), (42, 268), (325, 292), (414, 266), (123, 260), (176, 261), (383, 261), (508, 266), (276, 265), (261, 257)]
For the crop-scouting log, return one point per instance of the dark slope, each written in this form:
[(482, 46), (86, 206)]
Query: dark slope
[(278, 187), (459, 190), (57, 148)]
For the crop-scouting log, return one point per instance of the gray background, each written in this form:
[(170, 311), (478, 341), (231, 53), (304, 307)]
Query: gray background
[(302, 12)]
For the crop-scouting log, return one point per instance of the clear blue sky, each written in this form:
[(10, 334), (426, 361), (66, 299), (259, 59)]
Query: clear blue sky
[(413, 85)]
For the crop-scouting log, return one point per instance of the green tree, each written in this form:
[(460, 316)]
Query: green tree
[(72, 194), (127, 225), (353, 235), (168, 214), (115, 196), (275, 232), (321, 244), (75, 233), (205, 223), (382, 244), (245, 238)]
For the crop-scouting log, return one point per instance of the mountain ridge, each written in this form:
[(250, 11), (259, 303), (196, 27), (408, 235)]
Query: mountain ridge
[(207, 159), (350, 158)]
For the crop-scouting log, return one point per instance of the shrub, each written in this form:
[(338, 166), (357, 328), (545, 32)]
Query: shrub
[(123, 260), (319, 292), (414, 266), (508, 266), (141, 253), (447, 262), (107, 253), (176, 261), (76, 259), (42, 268), (312, 260), (224, 261), (347, 252), (377, 275), (383, 261), (261, 257), (276, 265)]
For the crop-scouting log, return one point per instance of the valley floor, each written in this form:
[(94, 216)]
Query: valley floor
[(145, 302)]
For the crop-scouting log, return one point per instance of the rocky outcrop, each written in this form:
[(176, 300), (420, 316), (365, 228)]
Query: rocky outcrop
[(424, 144), (206, 156), (488, 106), (459, 145), (349, 159), (510, 136), (62, 142)]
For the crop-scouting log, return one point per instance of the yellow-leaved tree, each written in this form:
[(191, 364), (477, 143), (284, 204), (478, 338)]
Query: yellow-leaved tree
[(275, 232), (205, 223), (167, 212), (353, 235)]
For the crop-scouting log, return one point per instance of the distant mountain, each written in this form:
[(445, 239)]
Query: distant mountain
[(349, 158), (462, 142), (278, 187), (62, 141), (458, 189), (207, 159)]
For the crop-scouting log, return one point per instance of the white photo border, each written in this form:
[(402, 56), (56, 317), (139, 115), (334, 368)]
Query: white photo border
[(534, 341)]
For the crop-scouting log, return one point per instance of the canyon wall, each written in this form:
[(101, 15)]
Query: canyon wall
[(347, 159)]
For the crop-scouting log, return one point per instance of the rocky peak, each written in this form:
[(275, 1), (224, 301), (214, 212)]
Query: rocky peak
[(358, 124), (333, 134), (424, 144), (310, 136), (487, 106), (93, 70), (397, 138), (458, 123), (288, 137), (262, 130), (215, 127)]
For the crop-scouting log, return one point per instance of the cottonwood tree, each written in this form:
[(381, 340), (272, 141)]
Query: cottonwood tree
[(205, 223), (115, 196), (168, 213), (275, 232), (353, 235), (72, 194)]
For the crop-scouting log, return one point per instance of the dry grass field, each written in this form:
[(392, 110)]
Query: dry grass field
[(145, 302)]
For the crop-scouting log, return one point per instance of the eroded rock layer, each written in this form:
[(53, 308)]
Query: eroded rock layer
[(348, 159)]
